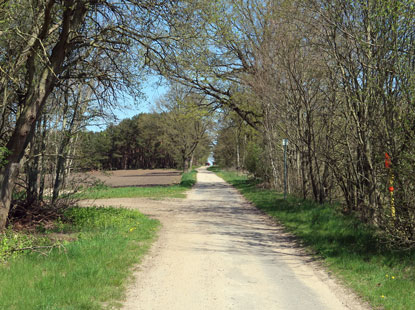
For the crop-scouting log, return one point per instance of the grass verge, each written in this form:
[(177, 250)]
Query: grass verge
[(88, 272), (174, 191), (383, 277)]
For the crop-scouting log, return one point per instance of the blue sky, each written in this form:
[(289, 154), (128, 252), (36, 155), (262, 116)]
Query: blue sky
[(152, 92)]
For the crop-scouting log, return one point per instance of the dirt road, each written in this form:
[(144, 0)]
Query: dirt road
[(216, 251)]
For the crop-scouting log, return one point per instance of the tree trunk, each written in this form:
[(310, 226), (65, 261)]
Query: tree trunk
[(39, 89), (42, 162), (60, 167), (191, 162), (238, 160), (9, 172), (269, 147), (71, 154), (17, 144), (185, 164), (33, 173)]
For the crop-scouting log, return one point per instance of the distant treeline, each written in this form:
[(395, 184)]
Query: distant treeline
[(142, 142), (132, 144)]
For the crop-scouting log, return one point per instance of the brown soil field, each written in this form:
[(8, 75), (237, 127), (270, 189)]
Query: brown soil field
[(123, 178)]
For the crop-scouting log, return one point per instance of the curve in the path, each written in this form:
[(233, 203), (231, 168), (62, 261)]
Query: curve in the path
[(220, 252)]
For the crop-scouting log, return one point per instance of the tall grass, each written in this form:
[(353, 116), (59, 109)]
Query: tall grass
[(352, 250)]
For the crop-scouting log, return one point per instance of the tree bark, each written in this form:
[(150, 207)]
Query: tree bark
[(39, 89), (33, 173), (8, 172), (191, 162)]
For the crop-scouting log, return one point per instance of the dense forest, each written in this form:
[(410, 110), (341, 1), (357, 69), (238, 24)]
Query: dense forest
[(335, 78)]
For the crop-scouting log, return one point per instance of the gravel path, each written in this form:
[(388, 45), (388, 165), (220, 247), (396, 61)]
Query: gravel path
[(216, 251)]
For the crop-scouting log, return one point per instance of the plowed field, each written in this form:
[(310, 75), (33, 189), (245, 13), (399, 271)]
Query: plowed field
[(123, 178)]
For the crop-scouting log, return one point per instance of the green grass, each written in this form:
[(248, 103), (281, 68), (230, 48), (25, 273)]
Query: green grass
[(157, 192), (90, 269), (88, 273), (384, 277)]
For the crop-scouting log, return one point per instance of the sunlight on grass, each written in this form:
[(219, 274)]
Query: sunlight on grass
[(91, 269), (384, 277), (84, 273), (157, 192)]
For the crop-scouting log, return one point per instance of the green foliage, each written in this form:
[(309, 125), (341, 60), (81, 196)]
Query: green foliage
[(12, 243), (253, 162), (99, 218), (353, 250), (187, 126), (87, 272), (146, 141), (240, 146), (341, 88), (4, 152), (174, 191), (188, 179)]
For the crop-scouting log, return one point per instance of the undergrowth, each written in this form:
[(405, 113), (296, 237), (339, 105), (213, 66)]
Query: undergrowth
[(82, 258), (88, 272), (354, 251), (14, 243)]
